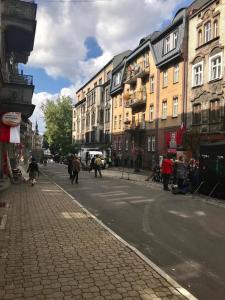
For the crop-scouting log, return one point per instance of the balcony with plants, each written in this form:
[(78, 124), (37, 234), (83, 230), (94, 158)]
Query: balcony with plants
[(137, 70)]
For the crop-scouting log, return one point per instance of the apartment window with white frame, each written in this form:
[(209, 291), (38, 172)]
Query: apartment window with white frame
[(146, 60), (175, 39), (207, 29), (215, 64), (167, 45), (197, 73), (151, 113), (149, 142), (175, 107), (176, 73), (164, 110), (153, 144), (165, 78), (152, 84)]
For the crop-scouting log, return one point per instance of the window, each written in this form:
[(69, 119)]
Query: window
[(121, 102), (151, 113), (120, 121), (152, 84), (93, 119), (197, 74), (175, 39), (115, 104), (167, 45), (119, 144), (214, 114), (175, 107), (108, 75), (165, 78), (115, 122), (197, 114), (117, 79), (199, 38), (164, 110), (207, 28), (127, 116), (153, 143), (170, 42), (126, 145), (215, 64), (149, 143), (215, 28), (176, 74), (146, 60)]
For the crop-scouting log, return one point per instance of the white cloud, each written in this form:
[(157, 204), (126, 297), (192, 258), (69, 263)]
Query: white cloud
[(63, 27)]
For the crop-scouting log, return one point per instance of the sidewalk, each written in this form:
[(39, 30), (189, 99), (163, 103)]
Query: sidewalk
[(51, 248)]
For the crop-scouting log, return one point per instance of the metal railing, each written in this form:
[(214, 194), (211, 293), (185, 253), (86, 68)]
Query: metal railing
[(137, 70), (18, 78), (22, 9), (136, 98)]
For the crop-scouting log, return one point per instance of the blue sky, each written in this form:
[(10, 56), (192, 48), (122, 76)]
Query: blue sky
[(74, 40)]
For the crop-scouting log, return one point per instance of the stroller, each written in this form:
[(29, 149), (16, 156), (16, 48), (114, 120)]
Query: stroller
[(156, 176)]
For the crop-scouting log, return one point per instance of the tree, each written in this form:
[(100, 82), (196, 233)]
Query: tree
[(58, 119)]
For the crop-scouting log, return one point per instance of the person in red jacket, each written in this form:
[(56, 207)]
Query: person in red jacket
[(167, 171)]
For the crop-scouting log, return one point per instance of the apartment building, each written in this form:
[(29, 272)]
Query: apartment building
[(92, 114), (18, 26), (206, 84), (170, 52)]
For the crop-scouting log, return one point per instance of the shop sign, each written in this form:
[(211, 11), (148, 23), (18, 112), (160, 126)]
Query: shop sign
[(11, 119)]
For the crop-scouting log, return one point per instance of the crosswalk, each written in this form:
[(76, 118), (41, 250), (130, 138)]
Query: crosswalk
[(118, 197)]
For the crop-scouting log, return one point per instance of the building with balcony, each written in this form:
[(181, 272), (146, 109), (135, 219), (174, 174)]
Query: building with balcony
[(92, 114), (206, 81), (18, 26), (170, 53)]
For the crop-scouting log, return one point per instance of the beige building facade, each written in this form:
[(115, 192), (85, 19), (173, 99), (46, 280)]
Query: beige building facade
[(206, 83)]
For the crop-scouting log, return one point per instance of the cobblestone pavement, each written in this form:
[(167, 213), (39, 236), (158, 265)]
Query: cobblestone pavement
[(52, 249)]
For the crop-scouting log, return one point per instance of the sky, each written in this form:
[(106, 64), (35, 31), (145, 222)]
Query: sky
[(75, 38)]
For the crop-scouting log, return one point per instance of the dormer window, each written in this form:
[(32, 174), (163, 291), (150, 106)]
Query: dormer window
[(117, 79), (170, 42), (207, 29), (175, 39)]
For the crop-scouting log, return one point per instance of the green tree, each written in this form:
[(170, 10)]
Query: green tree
[(58, 119)]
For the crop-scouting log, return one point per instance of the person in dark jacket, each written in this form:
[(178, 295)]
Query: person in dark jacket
[(33, 171), (75, 169), (92, 164)]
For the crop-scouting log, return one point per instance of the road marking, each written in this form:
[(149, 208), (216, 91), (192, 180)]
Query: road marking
[(125, 198), (179, 214), (142, 201)]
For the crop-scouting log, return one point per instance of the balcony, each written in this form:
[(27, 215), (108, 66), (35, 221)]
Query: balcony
[(136, 126), (136, 99), (16, 93), (137, 71), (19, 21)]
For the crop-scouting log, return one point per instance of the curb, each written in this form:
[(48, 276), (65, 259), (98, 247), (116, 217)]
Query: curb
[(171, 281)]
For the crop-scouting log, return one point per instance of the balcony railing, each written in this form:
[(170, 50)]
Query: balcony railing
[(135, 99), (136, 125), (25, 9), (18, 78), (137, 71)]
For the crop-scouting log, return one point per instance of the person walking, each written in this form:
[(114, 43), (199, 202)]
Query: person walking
[(97, 166), (181, 173), (167, 171), (193, 174), (75, 169), (33, 171), (92, 164)]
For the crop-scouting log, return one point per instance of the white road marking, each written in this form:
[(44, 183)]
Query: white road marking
[(179, 214), (142, 201), (125, 198)]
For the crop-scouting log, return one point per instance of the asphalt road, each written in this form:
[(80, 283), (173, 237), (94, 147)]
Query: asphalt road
[(185, 237)]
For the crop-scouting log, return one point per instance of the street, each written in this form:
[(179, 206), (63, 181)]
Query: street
[(183, 236)]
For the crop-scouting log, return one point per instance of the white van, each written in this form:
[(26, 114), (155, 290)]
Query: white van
[(90, 153)]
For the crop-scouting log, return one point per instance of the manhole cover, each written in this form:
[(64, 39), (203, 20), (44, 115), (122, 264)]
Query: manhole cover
[(2, 204)]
